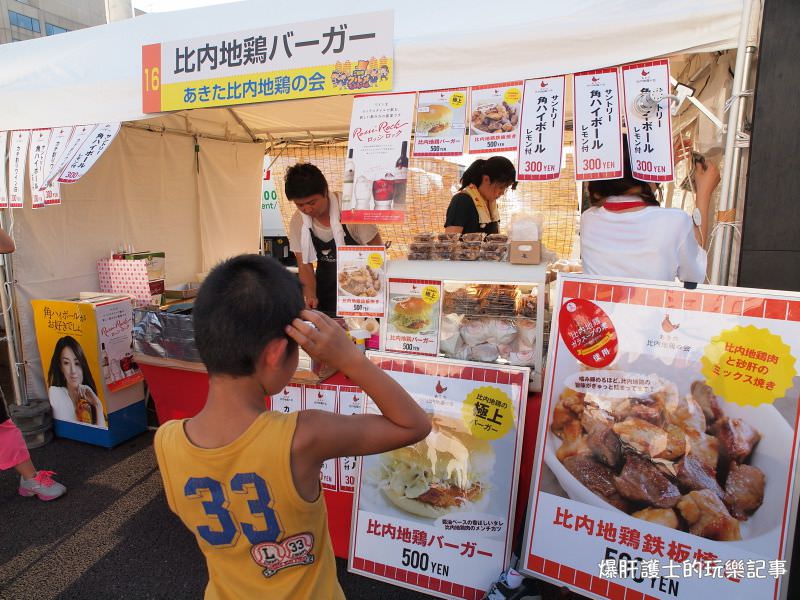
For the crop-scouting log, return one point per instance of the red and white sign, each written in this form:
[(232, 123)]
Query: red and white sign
[(323, 397), (649, 120), (380, 139), (589, 333), (352, 401), (441, 118), (115, 334), (361, 281), (668, 472), (597, 125), (79, 135), (494, 117), (3, 182), (542, 131), (89, 152), (37, 157), (17, 161), (56, 148), (413, 314), (440, 518), (289, 400)]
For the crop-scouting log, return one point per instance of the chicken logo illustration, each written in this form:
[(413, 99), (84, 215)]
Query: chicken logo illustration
[(440, 389), (595, 80), (645, 73), (543, 84), (668, 326), (319, 395), (285, 391)]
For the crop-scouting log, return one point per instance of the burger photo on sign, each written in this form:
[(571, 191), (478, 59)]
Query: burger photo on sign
[(447, 472), (411, 315), (434, 119)]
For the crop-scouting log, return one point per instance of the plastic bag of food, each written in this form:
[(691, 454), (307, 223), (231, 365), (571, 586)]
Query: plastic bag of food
[(525, 227), (475, 331)]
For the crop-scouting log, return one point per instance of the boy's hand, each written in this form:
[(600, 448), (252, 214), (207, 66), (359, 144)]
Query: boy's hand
[(325, 341)]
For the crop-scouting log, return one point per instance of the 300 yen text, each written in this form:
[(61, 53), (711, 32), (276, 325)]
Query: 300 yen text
[(421, 561)]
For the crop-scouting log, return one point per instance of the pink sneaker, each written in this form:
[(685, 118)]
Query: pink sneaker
[(42, 485)]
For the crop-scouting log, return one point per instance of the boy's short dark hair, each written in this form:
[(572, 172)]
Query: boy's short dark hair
[(304, 180), (244, 303)]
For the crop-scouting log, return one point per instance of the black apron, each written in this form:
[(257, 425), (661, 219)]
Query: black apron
[(325, 273)]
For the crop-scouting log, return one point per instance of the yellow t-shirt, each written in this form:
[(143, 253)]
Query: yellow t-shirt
[(259, 537)]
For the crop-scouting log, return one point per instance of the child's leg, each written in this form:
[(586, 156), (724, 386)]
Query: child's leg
[(13, 451)]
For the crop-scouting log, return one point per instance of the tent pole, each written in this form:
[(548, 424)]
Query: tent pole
[(10, 319), (726, 244)]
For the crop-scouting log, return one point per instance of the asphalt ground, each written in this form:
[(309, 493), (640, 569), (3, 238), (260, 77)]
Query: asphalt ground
[(112, 535)]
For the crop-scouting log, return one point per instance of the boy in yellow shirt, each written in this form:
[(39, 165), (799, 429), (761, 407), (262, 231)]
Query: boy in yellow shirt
[(245, 480)]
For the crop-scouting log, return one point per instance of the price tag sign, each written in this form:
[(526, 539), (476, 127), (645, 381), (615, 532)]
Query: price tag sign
[(290, 399), (597, 125), (361, 280), (324, 397), (542, 132), (441, 115), (414, 311), (352, 401), (494, 117)]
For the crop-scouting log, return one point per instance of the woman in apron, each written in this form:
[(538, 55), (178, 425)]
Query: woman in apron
[(474, 208)]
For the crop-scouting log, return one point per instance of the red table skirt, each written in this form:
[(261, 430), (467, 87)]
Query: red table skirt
[(179, 394)]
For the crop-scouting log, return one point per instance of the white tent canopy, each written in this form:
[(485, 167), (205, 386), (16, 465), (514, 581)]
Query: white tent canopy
[(93, 75)]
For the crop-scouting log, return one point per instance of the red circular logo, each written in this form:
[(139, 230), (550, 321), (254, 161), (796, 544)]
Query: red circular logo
[(588, 333)]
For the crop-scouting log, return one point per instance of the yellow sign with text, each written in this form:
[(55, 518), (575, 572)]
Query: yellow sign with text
[(749, 366), (488, 412)]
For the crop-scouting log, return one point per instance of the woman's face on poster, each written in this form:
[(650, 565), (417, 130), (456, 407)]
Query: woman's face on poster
[(71, 368)]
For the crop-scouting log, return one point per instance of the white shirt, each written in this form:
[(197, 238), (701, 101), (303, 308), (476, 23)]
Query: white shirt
[(64, 409), (652, 243), (363, 234)]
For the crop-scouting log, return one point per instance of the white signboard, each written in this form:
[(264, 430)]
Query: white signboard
[(438, 516), (17, 160), (352, 401), (360, 281), (79, 135), (542, 130), (271, 219), (667, 448), (412, 324), (649, 120), (92, 149), (494, 117), (115, 334), (57, 146), (3, 182), (441, 118), (380, 136), (323, 397), (37, 157), (289, 400), (597, 125)]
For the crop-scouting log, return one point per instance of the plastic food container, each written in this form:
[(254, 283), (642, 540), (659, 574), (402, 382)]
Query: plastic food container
[(472, 237)]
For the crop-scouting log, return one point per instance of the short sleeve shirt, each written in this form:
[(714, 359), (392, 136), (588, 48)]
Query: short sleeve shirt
[(363, 234), (462, 213)]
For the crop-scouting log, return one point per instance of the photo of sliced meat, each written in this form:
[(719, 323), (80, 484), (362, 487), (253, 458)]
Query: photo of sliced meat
[(597, 477), (707, 400), (744, 490), (606, 447), (705, 447), (662, 516), (688, 415), (652, 413), (676, 443), (641, 481), (594, 418), (573, 447), (692, 474), (642, 436), (708, 517), (736, 439)]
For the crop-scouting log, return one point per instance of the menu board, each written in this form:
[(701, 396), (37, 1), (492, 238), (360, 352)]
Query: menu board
[(438, 516), (667, 446), (324, 397), (289, 400), (542, 131), (360, 281), (412, 323), (441, 115), (352, 401), (494, 117), (376, 171), (597, 125), (649, 120)]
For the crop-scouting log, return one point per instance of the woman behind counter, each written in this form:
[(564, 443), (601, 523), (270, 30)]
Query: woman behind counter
[(73, 393), (474, 208)]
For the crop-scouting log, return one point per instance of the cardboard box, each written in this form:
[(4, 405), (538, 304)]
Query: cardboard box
[(525, 253), (155, 261), (182, 290)]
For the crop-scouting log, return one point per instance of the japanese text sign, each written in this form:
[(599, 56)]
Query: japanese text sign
[(667, 446), (3, 182), (92, 149), (327, 57), (542, 129), (324, 397), (494, 117), (649, 120), (289, 400), (352, 401), (56, 148), (78, 136), (17, 161), (37, 156), (441, 118), (361, 280), (412, 326), (438, 516), (597, 125), (380, 135), (115, 333)]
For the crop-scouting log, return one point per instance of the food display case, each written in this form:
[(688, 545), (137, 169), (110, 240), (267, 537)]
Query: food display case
[(483, 312)]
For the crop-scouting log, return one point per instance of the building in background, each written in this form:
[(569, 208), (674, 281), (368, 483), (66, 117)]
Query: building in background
[(26, 19)]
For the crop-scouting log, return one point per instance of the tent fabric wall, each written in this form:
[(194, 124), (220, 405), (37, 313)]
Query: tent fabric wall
[(145, 190)]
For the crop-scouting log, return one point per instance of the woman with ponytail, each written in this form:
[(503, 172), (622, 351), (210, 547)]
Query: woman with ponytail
[(474, 208)]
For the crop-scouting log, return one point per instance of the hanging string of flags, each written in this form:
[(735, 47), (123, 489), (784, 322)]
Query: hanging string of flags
[(49, 157)]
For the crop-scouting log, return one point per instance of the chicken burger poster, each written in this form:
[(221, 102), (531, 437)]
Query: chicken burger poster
[(437, 516), (412, 326), (667, 449)]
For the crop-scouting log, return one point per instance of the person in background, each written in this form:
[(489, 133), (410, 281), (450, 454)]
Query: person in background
[(246, 481), (13, 451), (315, 231), (474, 208), (626, 233), (72, 390)]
